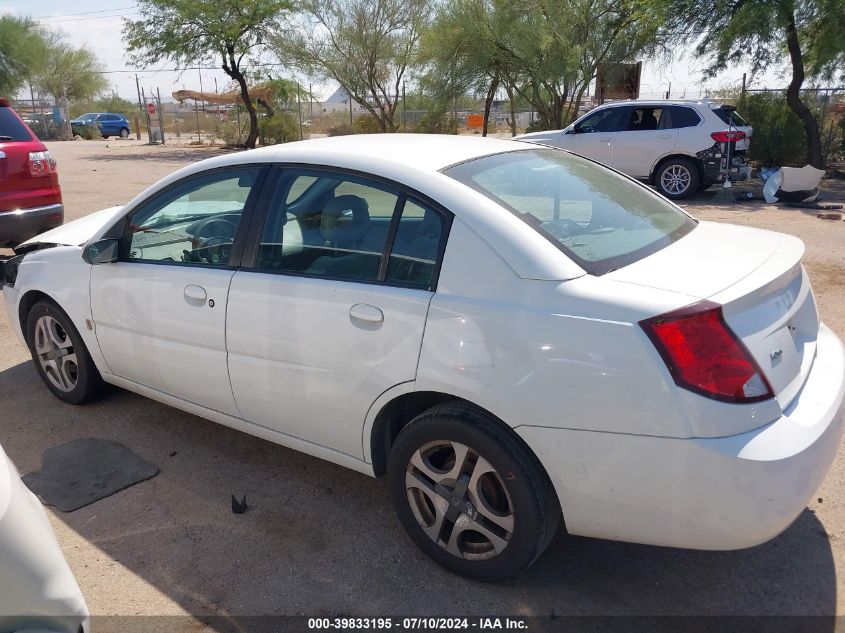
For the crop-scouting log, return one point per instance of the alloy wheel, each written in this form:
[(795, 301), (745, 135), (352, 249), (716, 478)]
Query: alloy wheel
[(459, 500), (676, 179), (56, 354)]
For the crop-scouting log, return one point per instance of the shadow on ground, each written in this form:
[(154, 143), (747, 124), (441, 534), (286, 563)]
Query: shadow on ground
[(321, 540), (175, 154)]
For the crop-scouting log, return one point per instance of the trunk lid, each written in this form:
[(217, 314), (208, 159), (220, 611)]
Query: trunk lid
[(758, 278)]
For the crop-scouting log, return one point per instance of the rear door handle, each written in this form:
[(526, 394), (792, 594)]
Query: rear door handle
[(195, 293), (664, 136), (604, 140), (366, 313)]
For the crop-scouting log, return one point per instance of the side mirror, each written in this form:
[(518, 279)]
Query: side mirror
[(101, 252)]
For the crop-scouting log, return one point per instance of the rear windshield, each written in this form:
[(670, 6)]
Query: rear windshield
[(600, 219), (11, 129), (730, 117)]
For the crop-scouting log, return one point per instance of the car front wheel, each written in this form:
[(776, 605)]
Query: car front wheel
[(677, 178), (470, 494), (62, 360), (124, 133)]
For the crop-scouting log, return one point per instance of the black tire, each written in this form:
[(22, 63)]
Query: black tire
[(105, 135), (677, 178), (124, 132), (88, 383), (528, 494)]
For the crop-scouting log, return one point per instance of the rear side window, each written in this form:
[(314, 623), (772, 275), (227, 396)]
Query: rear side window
[(11, 129), (684, 117), (729, 117), (348, 227), (600, 219), (339, 231)]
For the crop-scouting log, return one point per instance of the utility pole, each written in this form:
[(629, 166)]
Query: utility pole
[(404, 111), (310, 104), (350, 108), (160, 115), (199, 72), (216, 93), (140, 107), (299, 109)]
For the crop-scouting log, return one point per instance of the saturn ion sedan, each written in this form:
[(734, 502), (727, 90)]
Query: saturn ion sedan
[(514, 335)]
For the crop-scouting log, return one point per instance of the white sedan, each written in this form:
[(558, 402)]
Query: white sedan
[(511, 333)]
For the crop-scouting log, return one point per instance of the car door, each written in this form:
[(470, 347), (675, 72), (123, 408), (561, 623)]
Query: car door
[(595, 134), (331, 312), (647, 137), (160, 312)]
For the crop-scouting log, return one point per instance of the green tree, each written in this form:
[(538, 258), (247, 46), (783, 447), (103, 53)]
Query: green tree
[(811, 33), (364, 45), (66, 73), (19, 38), (195, 31), (465, 51)]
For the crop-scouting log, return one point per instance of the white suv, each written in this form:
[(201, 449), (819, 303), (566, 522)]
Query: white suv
[(678, 146)]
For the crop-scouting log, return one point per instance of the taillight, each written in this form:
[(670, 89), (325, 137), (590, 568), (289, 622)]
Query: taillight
[(705, 356), (728, 136), (41, 164)]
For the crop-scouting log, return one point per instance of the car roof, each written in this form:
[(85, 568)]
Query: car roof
[(426, 152), (660, 102)]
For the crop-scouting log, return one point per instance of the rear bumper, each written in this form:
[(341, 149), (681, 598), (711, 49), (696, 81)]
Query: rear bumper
[(716, 493), (18, 226)]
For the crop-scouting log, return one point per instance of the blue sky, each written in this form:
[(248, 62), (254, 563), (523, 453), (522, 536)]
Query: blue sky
[(97, 24)]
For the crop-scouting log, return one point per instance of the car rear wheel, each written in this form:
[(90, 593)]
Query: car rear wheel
[(124, 133), (677, 178), (470, 495), (62, 360)]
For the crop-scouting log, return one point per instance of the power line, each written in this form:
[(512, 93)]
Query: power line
[(96, 17), (68, 15)]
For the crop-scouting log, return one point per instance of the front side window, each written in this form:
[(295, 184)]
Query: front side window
[(600, 219), (606, 120), (195, 221)]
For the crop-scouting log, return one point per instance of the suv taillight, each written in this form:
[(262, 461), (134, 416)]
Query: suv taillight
[(41, 164), (728, 136), (705, 356)]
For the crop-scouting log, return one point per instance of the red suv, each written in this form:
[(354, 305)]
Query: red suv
[(30, 197)]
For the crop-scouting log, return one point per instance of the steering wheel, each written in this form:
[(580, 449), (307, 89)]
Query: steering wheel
[(212, 241)]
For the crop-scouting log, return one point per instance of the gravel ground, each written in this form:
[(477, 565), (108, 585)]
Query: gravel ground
[(319, 539)]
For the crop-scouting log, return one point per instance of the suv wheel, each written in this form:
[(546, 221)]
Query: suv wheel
[(62, 360), (470, 495), (677, 178), (124, 132)]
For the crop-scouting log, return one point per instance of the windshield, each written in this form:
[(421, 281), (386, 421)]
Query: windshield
[(87, 118), (600, 219)]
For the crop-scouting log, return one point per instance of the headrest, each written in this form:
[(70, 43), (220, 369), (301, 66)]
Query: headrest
[(431, 224), (345, 219)]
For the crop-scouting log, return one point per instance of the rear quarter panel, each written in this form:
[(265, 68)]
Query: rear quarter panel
[(546, 353)]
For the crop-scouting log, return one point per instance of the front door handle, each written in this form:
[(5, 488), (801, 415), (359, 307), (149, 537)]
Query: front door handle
[(604, 140), (664, 136), (366, 313), (195, 293)]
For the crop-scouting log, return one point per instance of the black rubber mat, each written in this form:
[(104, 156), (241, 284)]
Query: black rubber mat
[(86, 470)]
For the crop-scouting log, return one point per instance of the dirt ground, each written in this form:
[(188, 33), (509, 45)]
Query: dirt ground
[(322, 540)]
